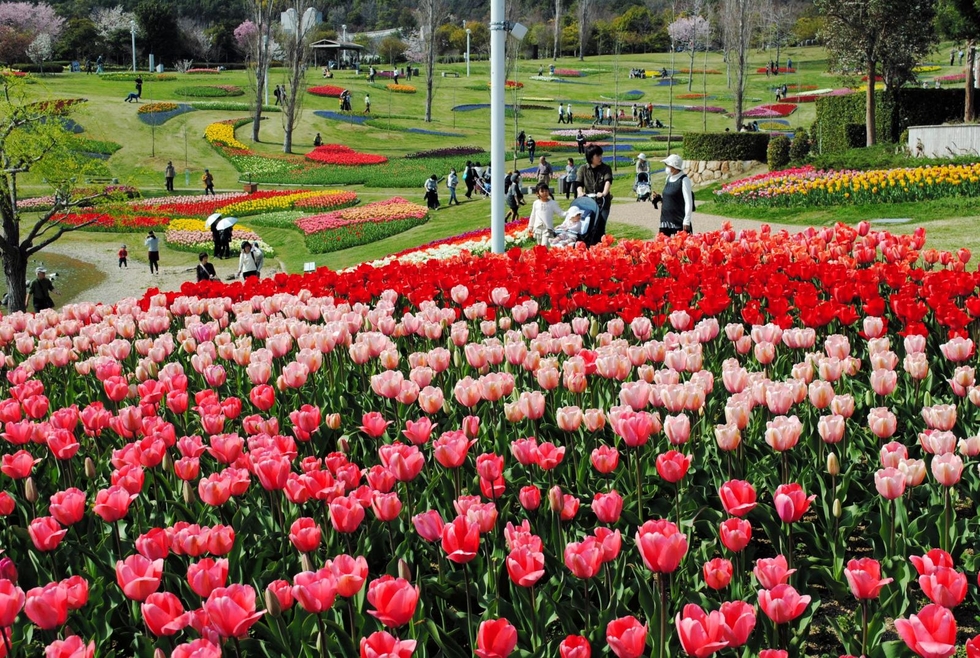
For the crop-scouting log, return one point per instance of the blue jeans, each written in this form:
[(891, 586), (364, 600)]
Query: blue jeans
[(452, 196)]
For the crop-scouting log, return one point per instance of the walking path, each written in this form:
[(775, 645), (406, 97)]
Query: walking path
[(644, 215)]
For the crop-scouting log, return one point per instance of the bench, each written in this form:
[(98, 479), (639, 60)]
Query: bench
[(447, 74)]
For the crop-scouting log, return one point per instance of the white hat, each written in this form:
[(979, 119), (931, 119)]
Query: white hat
[(39, 269), (674, 160), (642, 156), (574, 211)]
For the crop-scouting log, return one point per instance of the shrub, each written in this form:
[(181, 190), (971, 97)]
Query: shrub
[(209, 91), (131, 76), (856, 135), (800, 148), (231, 106), (726, 146), (777, 153)]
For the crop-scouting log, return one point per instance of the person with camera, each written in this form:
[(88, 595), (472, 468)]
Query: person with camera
[(677, 199), (594, 179), (40, 289), (205, 270)]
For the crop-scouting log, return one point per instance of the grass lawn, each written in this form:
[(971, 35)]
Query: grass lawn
[(146, 150)]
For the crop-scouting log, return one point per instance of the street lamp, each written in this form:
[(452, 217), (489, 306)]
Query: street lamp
[(468, 52), (132, 32), (344, 37)]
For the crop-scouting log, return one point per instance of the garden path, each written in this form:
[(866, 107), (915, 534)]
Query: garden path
[(643, 215)]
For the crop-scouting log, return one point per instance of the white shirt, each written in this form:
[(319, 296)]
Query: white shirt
[(246, 262), (688, 192), (543, 215)]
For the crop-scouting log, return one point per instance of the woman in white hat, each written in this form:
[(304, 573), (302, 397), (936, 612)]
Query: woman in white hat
[(677, 199), (642, 166)]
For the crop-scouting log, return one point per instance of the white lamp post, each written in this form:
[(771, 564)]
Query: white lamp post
[(467, 52), (132, 32)]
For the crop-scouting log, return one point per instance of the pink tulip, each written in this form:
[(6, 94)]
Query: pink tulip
[(931, 633), (782, 603)]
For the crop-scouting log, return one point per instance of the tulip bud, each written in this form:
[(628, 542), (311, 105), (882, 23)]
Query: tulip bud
[(168, 462), (159, 653), (332, 421), (837, 509), (30, 491), (343, 445), (188, 493), (457, 358), (833, 466), (594, 327), (445, 407), (306, 562), (555, 498), (89, 468), (404, 571), (272, 603)]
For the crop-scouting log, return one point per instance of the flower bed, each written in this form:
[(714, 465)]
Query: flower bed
[(449, 152), (191, 235), (150, 108), (322, 201), (807, 186), (706, 71), (331, 91), (471, 243), (112, 221), (953, 77), (202, 71), (712, 109), (925, 69), (131, 76), (509, 84), (222, 133), (231, 106), (688, 97), (209, 91), (770, 110), (589, 133), (807, 98), (256, 204), (782, 70), (338, 154), (361, 225), (568, 73), (400, 89), (192, 205)]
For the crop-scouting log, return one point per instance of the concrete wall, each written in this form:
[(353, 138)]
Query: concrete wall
[(706, 171), (944, 141)]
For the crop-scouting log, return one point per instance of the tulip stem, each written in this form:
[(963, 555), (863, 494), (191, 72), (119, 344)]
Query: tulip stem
[(350, 612), (469, 611), (115, 533), (663, 615), (238, 648), (323, 636), (891, 534), (677, 502), (864, 627), (6, 642), (534, 622), (639, 491), (946, 522)]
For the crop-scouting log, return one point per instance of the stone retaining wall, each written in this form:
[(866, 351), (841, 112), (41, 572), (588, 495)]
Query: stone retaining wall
[(705, 171)]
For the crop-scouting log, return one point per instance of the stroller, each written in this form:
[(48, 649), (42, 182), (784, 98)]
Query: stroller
[(482, 185), (641, 187), (593, 224)]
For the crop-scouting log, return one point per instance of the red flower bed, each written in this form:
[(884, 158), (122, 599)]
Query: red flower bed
[(112, 221), (338, 154), (781, 70), (878, 78), (332, 91), (771, 110), (205, 206), (806, 98)]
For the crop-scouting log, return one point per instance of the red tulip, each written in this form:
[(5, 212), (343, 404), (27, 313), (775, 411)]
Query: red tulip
[(71, 647), (529, 497), (737, 497), (607, 506), (605, 459), (11, 602), (305, 534), (159, 610), (864, 578), (451, 448), (461, 540), (931, 633), (374, 424), (717, 573), (662, 546), (315, 590), (68, 506), (627, 637), (77, 592), (7, 504), (575, 646), (383, 644), (18, 465), (429, 525), (113, 503), (231, 610), (47, 606), (46, 533), (283, 591), (701, 633), (740, 617), (139, 577), (418, 431), (973, 647), (199, 648), (525, 566), (490, 466), (584, 558), (262, 396), (791, 502), (346, 514), (221, 539), (495, 639), (944, 586), (394, 600), (672, 466), (207, 575), (782, 603), (611, 542), (154, 544), (771, 572), (735, 534), (386, 506), (350, 574), (773, 653), (932, 560)]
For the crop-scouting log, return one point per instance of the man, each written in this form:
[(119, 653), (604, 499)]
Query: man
[(531, 145), (169, 174), (568, 113), (521, 140), (677, 199), (544, 172), (561, 113), (40, 289), (595, 179), (367, 103), (249, 262), (208, 181), (580, 140)]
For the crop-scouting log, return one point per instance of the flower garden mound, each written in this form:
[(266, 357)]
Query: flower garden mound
[(807, 186), (771, 110), (209, 91), (331, 91), (338, 154), (343, 229), (191, 235)]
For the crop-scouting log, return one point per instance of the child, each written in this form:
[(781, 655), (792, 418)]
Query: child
[(514, 198), (123, 254), (543, 212), (569, 231), (451, 183)]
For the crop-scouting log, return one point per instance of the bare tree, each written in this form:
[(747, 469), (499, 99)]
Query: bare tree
[(429, 13), (196, 38), (586, 14), (295, 34), (263, 13), (738, 20), (558, 8)]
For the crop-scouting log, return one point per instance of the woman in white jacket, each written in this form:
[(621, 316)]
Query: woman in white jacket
[(543, 213)]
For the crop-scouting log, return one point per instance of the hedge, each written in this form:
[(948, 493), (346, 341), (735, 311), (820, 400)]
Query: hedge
[(726, 146)]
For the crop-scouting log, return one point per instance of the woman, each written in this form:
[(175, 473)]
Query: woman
[(432, 192), (543, 212), (249, 262), (677, 199), (570, 171), (205, 270), (152, 243), (452, 182), (642, 166)]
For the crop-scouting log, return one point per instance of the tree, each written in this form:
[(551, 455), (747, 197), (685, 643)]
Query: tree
[(157, 22), (40, 50), (690, 32), (20, 25), (585, 14), (964, 23), (429, 14), (196, 38), (738, 20), (32, 139), (300, 22), (557, 48), (871, 33), (258, 38), (79, 39), (392, 49)]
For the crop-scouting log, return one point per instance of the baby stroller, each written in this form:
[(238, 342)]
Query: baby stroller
[(482, 185), (641, 187), (593, 226)]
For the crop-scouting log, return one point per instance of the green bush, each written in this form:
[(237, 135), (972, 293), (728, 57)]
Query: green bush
[(358, 234), (83, 145), (856, 135), (209, 91), (131, 77), (777, 154), (726, 146), (880, 156), (800, 148), (54, 66)]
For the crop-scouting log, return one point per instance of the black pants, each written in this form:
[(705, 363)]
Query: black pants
[(469, 187), (254, 274), (170, 184)]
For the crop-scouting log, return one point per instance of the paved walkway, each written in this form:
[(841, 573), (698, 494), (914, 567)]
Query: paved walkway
[(645, 215)]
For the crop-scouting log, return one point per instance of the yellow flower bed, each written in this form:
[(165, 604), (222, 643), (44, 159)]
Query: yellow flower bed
[(925, 69), (224, 134), (269, 204), (401, 89)]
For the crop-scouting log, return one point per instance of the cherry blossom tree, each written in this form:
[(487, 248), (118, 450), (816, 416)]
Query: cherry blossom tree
[(22, 22), (692, 33)]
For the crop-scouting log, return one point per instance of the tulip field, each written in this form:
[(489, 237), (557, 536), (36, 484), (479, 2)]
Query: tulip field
[(736, 443)]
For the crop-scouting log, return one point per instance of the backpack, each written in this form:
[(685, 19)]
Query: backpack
[(259, 258)]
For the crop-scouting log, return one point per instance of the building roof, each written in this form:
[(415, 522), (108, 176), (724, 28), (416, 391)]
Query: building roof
[(330, 44)]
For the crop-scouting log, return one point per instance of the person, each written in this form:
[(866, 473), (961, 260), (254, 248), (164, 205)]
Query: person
[(569, 231), (152, 243), (88, 65), (544, 171), (514, 197), (208, 180), (597, 113), (318, 141), (541, 70), (594, 178), (775, 68), (132, 96), (205, 270), (98, 65), (961, 57), (531, 144), (477, 170), (249, 261), (123, 256), (642, 166), (371, 75), (789, 62), (551, 70), (561, 113), (408, 72), (395, 75), (139, 86), (225, 239), (677, 199), (663, 72), (768, 70), (568, 113), (216, 239), (521, 140), (278, 94), (636, 112), (608, 115), (541, 223), (367, 103), (451, 182), (580, 141), (952, 56), (432, 192), (570, 171), (40, 289), (469, 179), (169, 173)]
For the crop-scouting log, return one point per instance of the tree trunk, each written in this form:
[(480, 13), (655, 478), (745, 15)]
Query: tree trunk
[(690, 79), (969, 111), (557, 29), (15, 272), (869, 116)]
